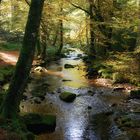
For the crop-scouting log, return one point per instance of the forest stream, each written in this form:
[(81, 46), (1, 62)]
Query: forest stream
[(89, 117)]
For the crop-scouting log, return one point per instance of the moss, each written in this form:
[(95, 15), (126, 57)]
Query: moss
[(67, 96), (118, 78), (6, 73), (39, 123), (10, 46), (15, 130)]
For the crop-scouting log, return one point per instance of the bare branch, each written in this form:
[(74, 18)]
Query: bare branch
[(79, 7), (27, 2)]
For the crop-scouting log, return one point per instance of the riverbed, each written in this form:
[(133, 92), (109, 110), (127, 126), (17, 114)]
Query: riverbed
[(90, 116)]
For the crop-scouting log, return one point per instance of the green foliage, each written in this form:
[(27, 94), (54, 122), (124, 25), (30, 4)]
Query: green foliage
[(124, 39), (105, 73), (10, 46), (6, 73), (118, 78), (51, 51), (15, 129), (2, 95)]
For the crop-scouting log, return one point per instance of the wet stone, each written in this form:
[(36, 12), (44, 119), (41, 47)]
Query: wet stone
[(66, 80), (135, 94), (91, 93), (37, 101), (42, 98), (89, 107), (119, 89), (113, 105), (67, 66), (67, 96)]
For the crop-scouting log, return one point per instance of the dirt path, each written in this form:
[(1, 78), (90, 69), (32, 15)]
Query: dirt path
[(8, 58)]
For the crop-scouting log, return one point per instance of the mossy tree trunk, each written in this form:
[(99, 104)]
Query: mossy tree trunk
[(10, 106)]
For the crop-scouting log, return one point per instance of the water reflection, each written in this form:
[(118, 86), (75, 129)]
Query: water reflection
[(74, 120)]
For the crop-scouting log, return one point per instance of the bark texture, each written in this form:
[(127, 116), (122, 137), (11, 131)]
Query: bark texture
[(10, 106)]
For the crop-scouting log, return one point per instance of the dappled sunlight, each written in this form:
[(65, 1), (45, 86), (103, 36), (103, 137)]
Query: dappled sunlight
[(9, 58), (42, 71), (101, 82)]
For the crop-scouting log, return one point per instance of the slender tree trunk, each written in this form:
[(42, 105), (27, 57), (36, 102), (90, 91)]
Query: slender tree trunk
[(61, 32), (38, 45), (87, 30), (138, 32), (44, 45), (10, 106), (92, 35), (108, 38), (55, 38)]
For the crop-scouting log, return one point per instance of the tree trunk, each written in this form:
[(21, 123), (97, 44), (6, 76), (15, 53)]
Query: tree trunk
[(61, 32), (44, 45), (92, 35), (138, 32), (87, 31), (10, 106), (38, 45), (55, 38)]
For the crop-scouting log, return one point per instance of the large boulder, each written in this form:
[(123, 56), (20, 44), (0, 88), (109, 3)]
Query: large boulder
[(38, 124), (67, 96)]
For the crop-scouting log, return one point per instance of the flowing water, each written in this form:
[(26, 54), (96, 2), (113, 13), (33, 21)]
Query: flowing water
[(84, 119)]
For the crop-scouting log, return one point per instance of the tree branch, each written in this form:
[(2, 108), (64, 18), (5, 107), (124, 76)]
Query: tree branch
[(79, 7), (27, 2)]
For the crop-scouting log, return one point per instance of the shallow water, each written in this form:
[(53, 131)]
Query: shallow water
[(84, 119)]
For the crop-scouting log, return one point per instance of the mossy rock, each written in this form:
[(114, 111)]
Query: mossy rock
[(135, 94), (118, 78), (68, 66), (67, 96), (38, 124)]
